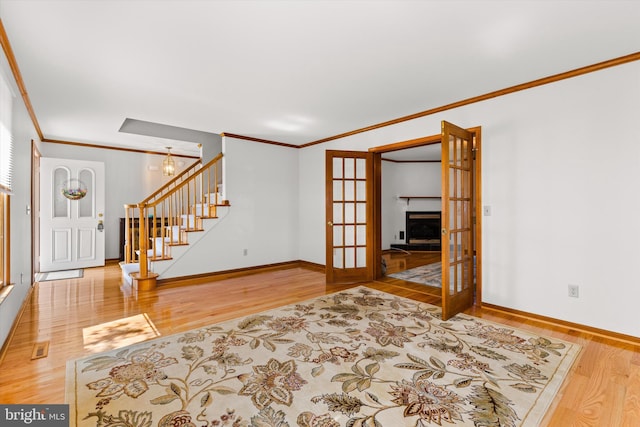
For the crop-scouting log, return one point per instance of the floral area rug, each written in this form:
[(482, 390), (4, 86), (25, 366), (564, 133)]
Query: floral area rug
[(430, 274), (357, 358)]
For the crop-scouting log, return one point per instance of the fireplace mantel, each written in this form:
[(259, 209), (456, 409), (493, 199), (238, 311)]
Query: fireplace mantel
[(408, 198)]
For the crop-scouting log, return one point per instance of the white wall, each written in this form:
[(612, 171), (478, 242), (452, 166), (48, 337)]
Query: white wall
[(561, 164), (21, 266), (406, 179), (128, 181), (560, 167)]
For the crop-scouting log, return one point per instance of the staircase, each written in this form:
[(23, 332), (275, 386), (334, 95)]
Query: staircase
[(170, 220)]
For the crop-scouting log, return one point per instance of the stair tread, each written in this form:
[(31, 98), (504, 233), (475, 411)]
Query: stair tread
[(159, 258), (130, 268)]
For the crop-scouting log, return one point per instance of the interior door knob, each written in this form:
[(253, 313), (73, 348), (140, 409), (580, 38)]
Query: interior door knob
[(330, 224)]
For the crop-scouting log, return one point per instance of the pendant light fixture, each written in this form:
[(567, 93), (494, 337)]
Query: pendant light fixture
[(168, 165)]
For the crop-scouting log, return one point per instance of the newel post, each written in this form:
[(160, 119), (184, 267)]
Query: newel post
[(142, 241), (143, 281)]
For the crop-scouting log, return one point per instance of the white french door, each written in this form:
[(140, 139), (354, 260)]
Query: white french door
[(72, 201)]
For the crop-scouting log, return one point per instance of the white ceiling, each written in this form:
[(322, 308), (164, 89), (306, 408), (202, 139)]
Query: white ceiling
[(289, 71)]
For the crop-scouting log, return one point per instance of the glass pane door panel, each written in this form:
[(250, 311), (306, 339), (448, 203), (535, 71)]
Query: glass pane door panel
[(349, 168), (349, 258), (452, 280), (452, 182), (361, 213), (337, 191), (349, 190), (337, 213), (338, 257), (452, 151), (60, 203), (86, 204), (361, 191), (361, 171), (465, 154), (337, 167), (361, 235), (361, 257), (349, 213), (349, 235), (452, 216), (338, 233), (452, 246)]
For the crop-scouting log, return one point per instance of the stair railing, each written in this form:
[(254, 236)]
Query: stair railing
[(166, 217)]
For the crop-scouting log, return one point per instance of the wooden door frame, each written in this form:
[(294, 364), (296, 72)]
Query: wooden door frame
[(376, 204), (35, 210)]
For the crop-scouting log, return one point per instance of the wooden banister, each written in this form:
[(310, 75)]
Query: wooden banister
[(181, 176), (165, 217)]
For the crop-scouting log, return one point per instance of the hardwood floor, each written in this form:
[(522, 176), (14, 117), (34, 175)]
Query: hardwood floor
[(603, 388)]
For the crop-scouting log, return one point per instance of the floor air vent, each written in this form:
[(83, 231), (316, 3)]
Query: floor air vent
[(40, 350)]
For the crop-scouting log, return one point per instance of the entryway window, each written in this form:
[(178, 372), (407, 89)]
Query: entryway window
[(4, 259), (6, 172)]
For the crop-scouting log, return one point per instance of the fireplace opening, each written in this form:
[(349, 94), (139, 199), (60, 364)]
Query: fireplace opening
[(423, 229)]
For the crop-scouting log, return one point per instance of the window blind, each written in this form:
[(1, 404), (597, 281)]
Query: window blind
[(6, 138)]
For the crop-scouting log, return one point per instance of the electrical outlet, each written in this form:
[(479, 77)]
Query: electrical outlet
[(574, 291), (245, 252)]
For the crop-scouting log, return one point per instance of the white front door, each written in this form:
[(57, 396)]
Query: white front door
[(71, 214)]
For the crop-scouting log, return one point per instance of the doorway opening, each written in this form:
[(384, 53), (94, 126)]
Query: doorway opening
[(354, 201), (419, 258)]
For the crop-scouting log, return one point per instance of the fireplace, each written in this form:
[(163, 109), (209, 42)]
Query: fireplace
[(423, 230)]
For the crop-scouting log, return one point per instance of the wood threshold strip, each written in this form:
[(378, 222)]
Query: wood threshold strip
[(603, 333)]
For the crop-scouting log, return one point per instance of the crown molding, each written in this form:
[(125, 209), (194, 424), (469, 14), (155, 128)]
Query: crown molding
[(264, 141), (6, 46), (17, 75), (523, 86), (108, 147)]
